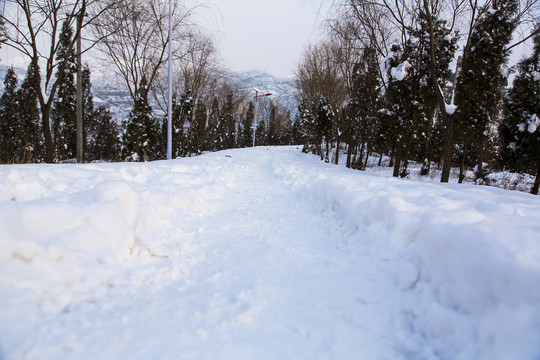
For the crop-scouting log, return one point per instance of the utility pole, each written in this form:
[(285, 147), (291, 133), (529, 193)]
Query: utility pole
[(257, 96), (169, 91), (79, 91)]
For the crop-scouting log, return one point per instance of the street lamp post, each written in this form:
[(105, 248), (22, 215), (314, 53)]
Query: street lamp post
[(257, 96), (169, 90)]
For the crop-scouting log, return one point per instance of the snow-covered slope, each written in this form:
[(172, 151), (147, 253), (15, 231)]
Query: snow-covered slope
[(262, 253)]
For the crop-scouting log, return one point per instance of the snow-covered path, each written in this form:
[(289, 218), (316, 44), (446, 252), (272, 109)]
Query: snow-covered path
[(261, 254)]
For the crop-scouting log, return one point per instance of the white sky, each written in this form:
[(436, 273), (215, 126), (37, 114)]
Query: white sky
[(264, 35)]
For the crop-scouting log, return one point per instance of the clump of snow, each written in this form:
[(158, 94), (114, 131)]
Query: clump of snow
[(262, 253), (534, 123), (401, 71), (450, 108)]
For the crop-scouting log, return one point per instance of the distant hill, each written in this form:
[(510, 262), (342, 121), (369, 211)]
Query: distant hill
[(283, 89), (108, 90)]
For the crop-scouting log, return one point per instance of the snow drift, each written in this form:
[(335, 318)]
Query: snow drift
[(263, 253)]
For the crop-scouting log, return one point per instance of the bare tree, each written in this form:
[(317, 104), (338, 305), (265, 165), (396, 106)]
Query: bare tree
[(195, 72), (33, 28), (318, 75), (138, 39), (322, 88)]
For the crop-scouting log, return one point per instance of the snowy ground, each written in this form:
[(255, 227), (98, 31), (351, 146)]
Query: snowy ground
[(262, 254)]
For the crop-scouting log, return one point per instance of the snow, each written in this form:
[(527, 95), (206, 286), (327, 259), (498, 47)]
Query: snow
[(534, 123), (262, 253), (400, 72), (450, 108)]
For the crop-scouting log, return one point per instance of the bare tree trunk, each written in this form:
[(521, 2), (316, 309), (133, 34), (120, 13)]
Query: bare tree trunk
[(337, 150), (405, 160), (368, 150), (49, 146), (349, 153), (462, 163), (536, 185), (397, 163), (361, 157), (480, 163)]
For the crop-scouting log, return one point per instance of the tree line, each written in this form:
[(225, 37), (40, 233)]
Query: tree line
[(425, 81), (38, 118)]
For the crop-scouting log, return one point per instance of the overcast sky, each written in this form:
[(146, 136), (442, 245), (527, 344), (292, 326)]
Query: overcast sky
[(264, 34)]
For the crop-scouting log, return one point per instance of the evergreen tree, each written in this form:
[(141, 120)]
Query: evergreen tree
[(272, 131), (362, 117), (29, 115), (221, 130), (89, 123), (520, 129), (9, 121), (142, 133), (106, 143), (481, 80), (213, 142), (411, 95), (324, 119), (2, 31), (197, 129), (64, 111), (404, 104), (184, 110), (297, 135), (260, 134), (285, 134), (306, 125), (177, 128), (247, 127), (228, 124), (446, 46)]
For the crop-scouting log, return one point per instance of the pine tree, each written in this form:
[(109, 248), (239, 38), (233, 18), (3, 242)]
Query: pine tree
[(197, 129), (260, 134), (446, 45), (29, 115), (362, 116), (2, 31), (89, 123), (247, 127), (285, 133), (184, 110), (306, 125), (141, 137), (9, 121), (411, 95), (479, 87), (324, 119), (228, 123), (405, 104), (298, 136), (106, 143), (213, 143), (64, 110), (272, 131), (520, 129)]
